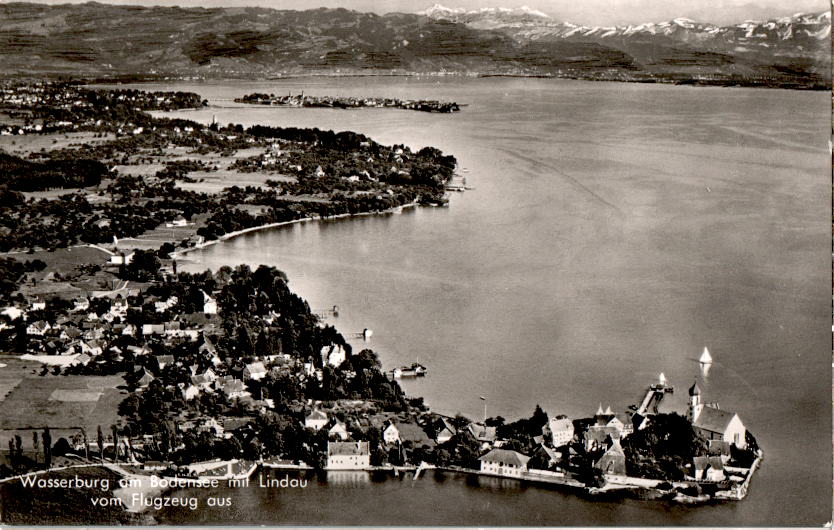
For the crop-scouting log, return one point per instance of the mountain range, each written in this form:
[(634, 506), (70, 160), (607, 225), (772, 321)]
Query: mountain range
[(799, 35), (101, 40)]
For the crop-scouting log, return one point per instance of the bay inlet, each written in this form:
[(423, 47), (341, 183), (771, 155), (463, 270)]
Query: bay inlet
[(615, 230)]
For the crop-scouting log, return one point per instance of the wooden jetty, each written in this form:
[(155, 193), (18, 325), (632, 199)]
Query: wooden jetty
[(327, 313), (654, 395), (365, 334), (458, 183)]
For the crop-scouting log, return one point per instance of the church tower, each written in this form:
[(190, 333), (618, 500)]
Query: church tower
[(695, 405)]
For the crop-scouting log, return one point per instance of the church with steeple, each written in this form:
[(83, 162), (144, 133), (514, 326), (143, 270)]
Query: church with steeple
[(714, 423)]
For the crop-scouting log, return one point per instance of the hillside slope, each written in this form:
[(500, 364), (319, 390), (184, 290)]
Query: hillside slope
[(96, 40)]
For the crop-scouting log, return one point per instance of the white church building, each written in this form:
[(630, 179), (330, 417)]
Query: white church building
[(714, 423)]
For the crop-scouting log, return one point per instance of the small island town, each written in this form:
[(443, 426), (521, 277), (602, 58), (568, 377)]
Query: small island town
[(119, 367)]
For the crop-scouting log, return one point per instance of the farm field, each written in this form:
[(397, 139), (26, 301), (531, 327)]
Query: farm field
[(64, 261), (31, 143), (65, 403)]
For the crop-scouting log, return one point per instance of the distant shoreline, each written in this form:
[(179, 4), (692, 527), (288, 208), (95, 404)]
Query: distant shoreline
[(660, 80)]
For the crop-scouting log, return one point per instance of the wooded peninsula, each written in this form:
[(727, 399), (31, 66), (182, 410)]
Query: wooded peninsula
[(119, 361)]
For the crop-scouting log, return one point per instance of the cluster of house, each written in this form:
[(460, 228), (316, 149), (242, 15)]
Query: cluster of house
[(19, 130), (84, 335), (209, 373), (345, 454), (231, 379), (217, 377), (273, 157), (601, 435), (276, 158), (39, 96), (300, 100), (81, 334), (68, 97), (269, 158)]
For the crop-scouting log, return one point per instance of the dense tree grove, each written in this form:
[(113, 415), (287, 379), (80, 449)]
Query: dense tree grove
[(23, 175), (12, 271), (664, 448), (143, 267)]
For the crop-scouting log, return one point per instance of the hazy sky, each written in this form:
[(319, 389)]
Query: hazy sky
[(592, 12)]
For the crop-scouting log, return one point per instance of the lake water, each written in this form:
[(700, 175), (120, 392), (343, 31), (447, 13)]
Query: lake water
[(614, 231)]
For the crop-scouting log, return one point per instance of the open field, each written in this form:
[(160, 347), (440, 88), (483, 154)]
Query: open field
[(305, 198), (8, 119), (244, 153), (217, 181), (48, 289), (12, 371), (94, 194), (153, 239), (64, 260), (64, 403), (49, 194), (57, 279), (139, 170), (32, 143)]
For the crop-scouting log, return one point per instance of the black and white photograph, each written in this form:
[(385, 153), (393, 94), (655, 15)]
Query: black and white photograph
[(537, 263)]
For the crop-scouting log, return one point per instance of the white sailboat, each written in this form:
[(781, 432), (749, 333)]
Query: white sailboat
[(705, 362)]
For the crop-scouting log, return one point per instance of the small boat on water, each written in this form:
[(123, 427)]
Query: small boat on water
[(705, 362), (415, 370), (683, 498)]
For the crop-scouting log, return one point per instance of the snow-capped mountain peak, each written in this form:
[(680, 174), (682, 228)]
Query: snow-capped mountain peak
[(685, 22), (488, 16), (438, 10), (533, 24), (533, 12)]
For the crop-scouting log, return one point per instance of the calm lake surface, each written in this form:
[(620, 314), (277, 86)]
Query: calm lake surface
[(615, 230)]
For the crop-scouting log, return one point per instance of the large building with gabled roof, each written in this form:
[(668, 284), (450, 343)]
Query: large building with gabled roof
[(504, 462), (348, 455), (714, 423)]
